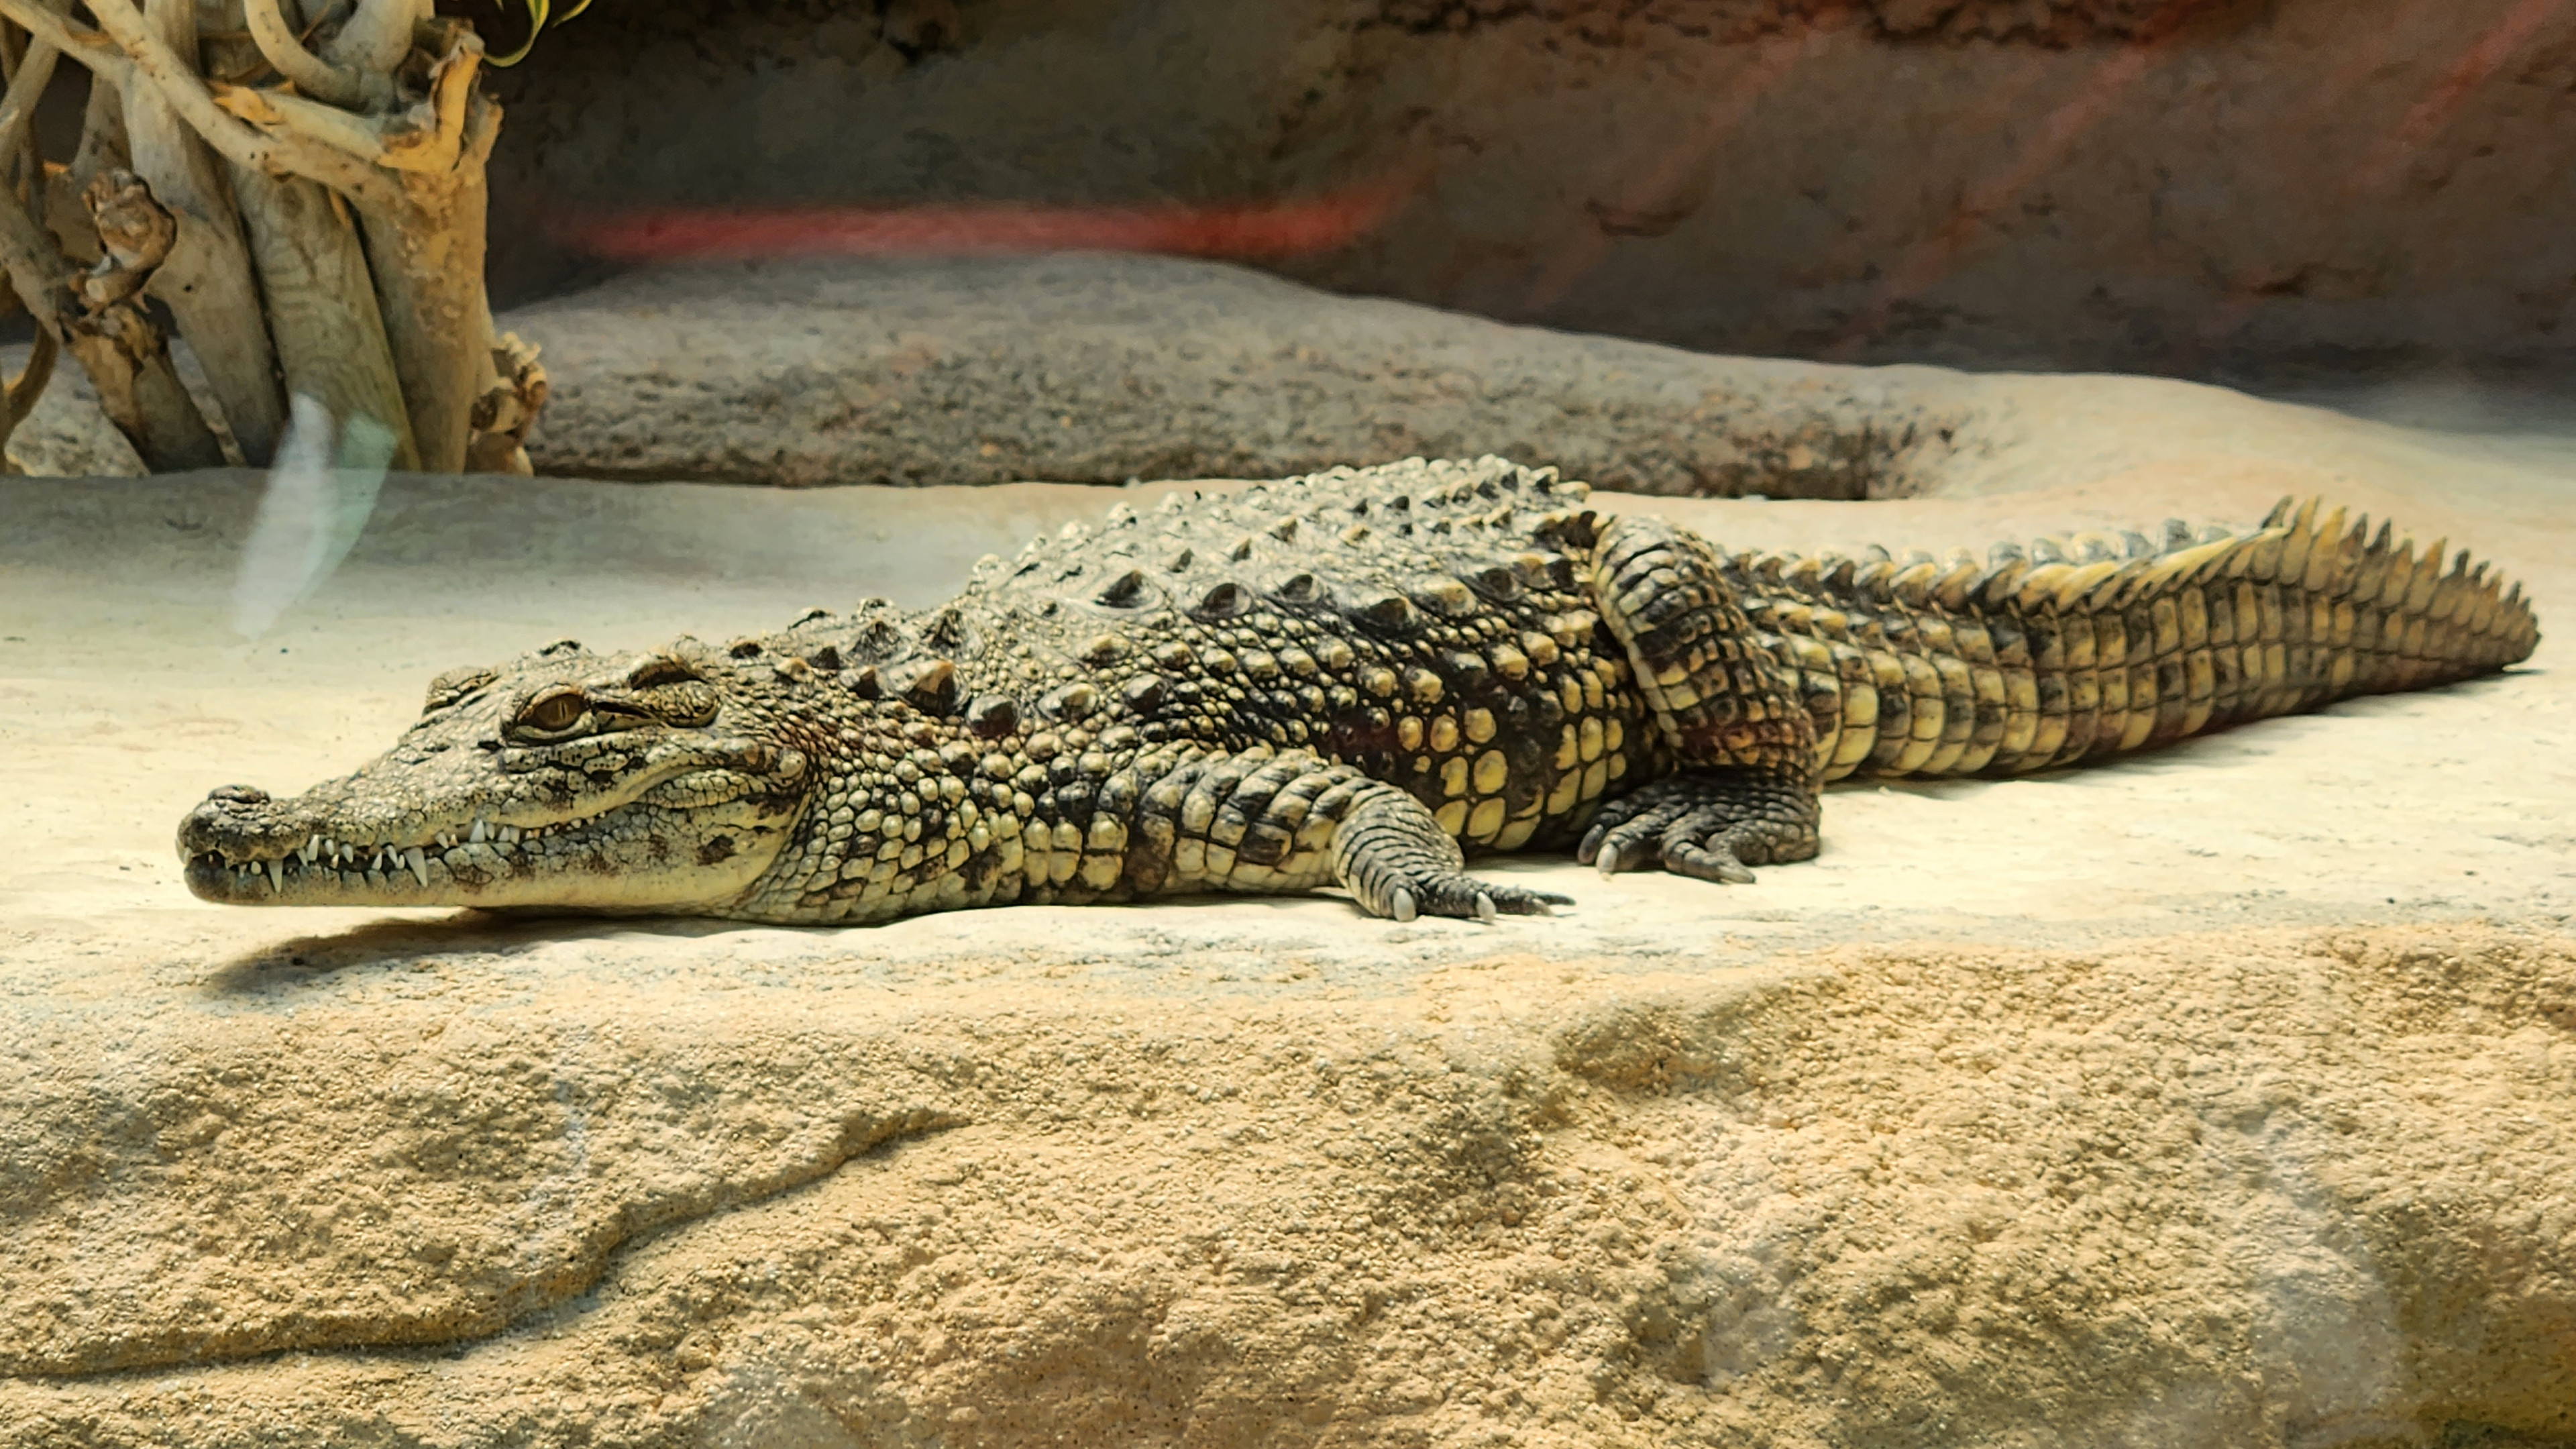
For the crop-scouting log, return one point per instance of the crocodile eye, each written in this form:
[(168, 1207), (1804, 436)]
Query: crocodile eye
[(554, 711)]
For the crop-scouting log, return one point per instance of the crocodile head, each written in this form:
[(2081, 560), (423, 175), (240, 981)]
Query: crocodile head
[(657, 782)]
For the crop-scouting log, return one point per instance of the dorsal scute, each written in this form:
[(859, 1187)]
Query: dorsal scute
[(1404, 552), (1398, 509)]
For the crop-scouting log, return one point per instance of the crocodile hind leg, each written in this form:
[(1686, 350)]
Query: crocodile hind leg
[(1744, 792), (1712, 824), (1264, 821)]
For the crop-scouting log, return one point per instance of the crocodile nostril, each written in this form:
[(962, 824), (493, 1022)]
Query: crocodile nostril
[(238, 795)]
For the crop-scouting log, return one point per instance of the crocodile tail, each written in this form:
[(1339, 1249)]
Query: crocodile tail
[(2071, 649)]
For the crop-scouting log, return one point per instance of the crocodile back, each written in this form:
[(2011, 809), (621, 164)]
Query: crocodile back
[(1427, 622)]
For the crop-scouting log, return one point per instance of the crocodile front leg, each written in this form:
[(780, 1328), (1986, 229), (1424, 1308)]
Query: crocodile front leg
[(1263, 821)]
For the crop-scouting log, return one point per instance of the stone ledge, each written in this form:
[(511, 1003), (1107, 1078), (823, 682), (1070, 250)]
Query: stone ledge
[(2249, 1188)]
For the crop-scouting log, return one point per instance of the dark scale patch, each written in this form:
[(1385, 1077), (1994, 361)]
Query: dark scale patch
[(719, 848), (980, 868), (1528, 747), (1364, 737)]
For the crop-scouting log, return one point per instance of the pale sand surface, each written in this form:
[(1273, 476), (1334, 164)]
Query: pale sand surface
[(2448, 803), (2223, 1095)]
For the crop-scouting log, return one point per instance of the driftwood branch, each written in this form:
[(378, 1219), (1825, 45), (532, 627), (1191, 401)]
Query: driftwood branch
[(26, 82), (239, 142), (29, 385), (359, 137), (378, 36), (103, 149), (332, 84), (125, 355), (26, 87), (508, 408), (30, 382), (207, 281), (323, 236), (135, 235), (428, 262), (86, 46), (331, 336)]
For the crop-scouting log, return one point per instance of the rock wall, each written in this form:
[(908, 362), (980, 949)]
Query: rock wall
[(2199, 187)]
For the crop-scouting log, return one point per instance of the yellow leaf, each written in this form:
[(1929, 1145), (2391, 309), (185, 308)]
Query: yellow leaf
[(536, 24), (248, 104)]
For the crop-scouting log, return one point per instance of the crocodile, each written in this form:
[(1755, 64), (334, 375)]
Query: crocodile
[(1354, 679)]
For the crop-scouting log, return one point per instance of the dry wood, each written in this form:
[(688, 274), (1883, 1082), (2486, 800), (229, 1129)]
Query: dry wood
[(509, 406), (322, 237), (428, 259), (309, 73), (206, 281), (322, 306), (126, 356)]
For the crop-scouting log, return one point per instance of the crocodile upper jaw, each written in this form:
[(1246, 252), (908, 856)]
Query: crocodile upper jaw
[(241, 847)]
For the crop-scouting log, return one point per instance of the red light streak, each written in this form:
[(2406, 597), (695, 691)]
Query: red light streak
[(1930, 260), (1257, 230), (1774, 57), (2475, 67)]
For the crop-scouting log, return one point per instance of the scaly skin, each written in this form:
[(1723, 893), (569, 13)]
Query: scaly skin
[(1334, 680), (2066, 652)]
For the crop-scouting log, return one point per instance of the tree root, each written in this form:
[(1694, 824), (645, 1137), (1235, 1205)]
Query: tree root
[(507, 409), (321, 237)]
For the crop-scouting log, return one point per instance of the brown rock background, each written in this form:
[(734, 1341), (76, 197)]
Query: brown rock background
[(2200, 187)]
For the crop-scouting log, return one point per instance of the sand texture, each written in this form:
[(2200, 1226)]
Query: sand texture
[(2223, 1096)]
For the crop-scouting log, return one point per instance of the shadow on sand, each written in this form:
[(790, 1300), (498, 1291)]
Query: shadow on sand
[(304, 961)]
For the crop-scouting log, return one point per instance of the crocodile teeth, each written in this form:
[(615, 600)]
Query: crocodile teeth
[(447, 840), (312, 848), (413, 858), (478, 834), (509, 835), (276, 878)]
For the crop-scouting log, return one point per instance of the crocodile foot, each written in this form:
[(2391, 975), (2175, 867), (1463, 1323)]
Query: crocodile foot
[(1708, 823)]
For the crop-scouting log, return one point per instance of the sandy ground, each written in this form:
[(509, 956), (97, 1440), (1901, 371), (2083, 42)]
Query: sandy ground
[(2446, 803), (2222, 1095)]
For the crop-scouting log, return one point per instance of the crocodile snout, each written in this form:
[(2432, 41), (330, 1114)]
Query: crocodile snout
[(226, 817), (234, 824)]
